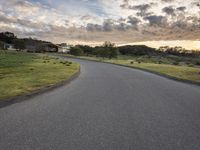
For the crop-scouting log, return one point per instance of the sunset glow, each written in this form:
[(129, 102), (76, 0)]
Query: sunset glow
[(153, 22)]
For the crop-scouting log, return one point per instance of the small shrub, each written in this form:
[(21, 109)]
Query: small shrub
[(176, 63), (197, 63), (131, 62), (159, 62), (44, 62), (190, 65)]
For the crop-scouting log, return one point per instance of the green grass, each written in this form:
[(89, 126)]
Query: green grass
[(184, 69), (178, 72), (22, 73)]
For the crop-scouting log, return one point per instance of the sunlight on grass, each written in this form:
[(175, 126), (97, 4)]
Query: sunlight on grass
[(179, 72)]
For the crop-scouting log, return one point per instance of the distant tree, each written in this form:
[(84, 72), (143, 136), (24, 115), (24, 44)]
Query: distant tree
[(77, 51), (87, 50), (19, 44), (7, 37), (113, 52), (109, 50), (101, 52), (178, 51), (108, 44), (40, 48), (137, 50)]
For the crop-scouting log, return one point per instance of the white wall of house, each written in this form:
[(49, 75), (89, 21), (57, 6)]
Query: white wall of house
[(9, 46), (64, 49)]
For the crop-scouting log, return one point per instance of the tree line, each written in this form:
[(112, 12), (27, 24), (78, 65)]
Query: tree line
[(109, 50), (179, 51), (30, 44)]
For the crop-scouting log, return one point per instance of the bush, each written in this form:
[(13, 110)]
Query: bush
[(76, 51), (190, 65), (137, 50), (197, 63), (41, 49), (19, 44), (176, 63)]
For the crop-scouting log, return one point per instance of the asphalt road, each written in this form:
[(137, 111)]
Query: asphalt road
[(107, 108)]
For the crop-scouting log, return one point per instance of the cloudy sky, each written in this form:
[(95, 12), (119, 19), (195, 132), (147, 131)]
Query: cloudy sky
[(94, 21)]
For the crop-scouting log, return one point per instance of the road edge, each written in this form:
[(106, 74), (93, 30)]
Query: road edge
[(23, 97)]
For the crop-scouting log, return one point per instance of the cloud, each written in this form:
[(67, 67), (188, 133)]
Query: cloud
[(168, 1), (169, 10), (133, 20), (97, 21), (142, 8), (156, 20), (182, 8), (107, 26)]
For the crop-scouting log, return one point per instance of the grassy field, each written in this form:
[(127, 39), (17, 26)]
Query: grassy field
[(177, 67), (22, 73)]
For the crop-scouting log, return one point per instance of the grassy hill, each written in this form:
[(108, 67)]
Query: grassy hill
[(23, 72)]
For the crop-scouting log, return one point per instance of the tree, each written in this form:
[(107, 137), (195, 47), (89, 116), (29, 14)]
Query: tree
[(40, 48), (19, 44), (77, 51), (87, 50), (7, 37), (137, 50), (111, 50), (101, 52)]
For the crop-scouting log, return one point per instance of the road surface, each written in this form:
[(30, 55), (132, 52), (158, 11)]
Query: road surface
[(107, 108)]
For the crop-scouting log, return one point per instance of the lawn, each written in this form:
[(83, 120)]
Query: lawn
[(176, 67), (179, 72), (22, 73)]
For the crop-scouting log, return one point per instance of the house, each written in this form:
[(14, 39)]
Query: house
[(9, 46), (49, 47), (63, 48)]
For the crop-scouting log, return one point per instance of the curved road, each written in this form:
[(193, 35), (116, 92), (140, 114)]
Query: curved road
[(107, 108)]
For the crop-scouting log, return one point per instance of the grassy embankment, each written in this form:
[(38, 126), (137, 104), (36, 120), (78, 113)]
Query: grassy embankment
[(182, 68), (21, 73)]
